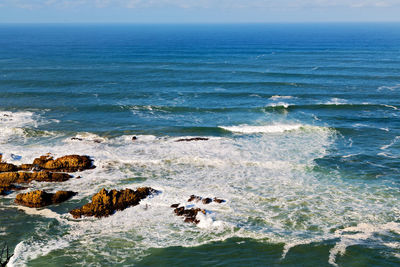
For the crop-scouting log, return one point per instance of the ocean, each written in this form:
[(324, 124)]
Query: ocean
[(302, 123)]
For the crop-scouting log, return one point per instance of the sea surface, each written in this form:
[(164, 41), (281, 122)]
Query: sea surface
[(303, 128)]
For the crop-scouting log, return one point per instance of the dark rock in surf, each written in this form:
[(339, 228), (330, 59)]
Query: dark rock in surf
[(218, 200), (189, 214), (192, 139)]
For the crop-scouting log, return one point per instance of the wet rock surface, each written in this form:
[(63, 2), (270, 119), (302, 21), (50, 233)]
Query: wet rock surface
[(105, 203), (40, 198)]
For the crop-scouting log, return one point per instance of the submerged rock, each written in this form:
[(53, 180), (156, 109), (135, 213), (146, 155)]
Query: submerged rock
[(26, 177), (40, 198), (192, 139), (105, 203), (70, 163)]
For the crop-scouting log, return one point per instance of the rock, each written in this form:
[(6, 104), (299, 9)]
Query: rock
[(6, 167), (189, 214), (26, 167), (206, 200), (76, 138), (194, 197), (218, 200), (70, 163), (192, 139), (105, 203), (175, 205), (40, 198), (6, 189), (134, 138), (26, 177)]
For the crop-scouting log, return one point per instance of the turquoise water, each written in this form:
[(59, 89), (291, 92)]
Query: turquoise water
[(303, 124)]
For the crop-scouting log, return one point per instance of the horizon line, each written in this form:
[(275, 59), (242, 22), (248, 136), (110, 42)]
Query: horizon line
[(207, 23)]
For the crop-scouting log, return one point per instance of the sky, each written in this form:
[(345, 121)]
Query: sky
[(198, 11)]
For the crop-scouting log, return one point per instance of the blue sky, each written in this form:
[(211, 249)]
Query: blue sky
[(198, 11)]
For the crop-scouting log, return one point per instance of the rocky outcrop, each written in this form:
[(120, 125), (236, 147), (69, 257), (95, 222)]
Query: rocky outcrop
[(192, 139), (105, 203), (40, 198), (26, 177), (70, 163), (189, 214)]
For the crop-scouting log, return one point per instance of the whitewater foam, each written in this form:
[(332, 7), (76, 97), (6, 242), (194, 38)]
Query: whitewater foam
[(250, 129), (271, 191)]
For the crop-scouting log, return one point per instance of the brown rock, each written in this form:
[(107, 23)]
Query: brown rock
[(218, 200), (192, 139), (105, 203), (189, 214), (6, 167), (70, 163), (5, 189), (26, 177), (194, 197), (26, 167), (40, 198), (175, 205)]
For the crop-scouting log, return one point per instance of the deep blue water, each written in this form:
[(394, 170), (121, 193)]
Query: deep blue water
[(304, 128)]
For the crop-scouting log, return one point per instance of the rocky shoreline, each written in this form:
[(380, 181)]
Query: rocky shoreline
[(103, 204)]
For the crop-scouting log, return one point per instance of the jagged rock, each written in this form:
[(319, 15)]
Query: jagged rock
[(7, 167), (40, 198), (192, 139), (189, 214), (70, 163), (26, 177), (105, 203)]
